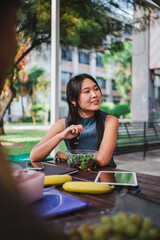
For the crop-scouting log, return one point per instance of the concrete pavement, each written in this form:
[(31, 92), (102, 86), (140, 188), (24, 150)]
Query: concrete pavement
[(135, 162)]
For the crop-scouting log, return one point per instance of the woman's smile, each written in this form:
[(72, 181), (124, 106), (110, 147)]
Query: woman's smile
[(95, 102)]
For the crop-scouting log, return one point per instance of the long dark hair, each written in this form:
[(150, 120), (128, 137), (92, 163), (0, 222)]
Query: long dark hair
[(73, 93)]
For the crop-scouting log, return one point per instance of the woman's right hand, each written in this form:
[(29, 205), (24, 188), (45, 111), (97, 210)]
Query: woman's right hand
[(72, 131)]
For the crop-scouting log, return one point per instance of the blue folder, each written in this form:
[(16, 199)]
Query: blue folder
[(56, 203)]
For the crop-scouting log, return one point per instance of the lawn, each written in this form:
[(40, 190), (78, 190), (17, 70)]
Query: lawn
[(28, 137)]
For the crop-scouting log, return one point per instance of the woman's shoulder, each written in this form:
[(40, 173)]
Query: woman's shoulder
[(108, 117), (62, 120), (112, 119), (59, 124)]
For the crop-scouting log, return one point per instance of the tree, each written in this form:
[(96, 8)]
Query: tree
[(121, 64), (34, 21), (31, 85), (37, 81), (44, 86), (83, 23)]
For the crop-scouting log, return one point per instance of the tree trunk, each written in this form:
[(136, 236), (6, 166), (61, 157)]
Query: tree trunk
[(4, 106), (1, 128), (33, 118), (22, 104)]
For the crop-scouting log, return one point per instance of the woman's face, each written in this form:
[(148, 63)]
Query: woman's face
[(90, 97)]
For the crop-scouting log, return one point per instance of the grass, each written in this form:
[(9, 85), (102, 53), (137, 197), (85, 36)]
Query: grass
[(29, 137)]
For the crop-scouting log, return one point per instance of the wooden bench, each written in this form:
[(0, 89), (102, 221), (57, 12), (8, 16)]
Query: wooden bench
[(137, 137)]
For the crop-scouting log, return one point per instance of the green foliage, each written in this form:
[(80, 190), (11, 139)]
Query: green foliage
[(84, 23), (117, 110), (128, 115), (33, 74), (121, 109), (34, 20), (36, 107), (37, 111), (107, 107), (120, 62), (25, 119)]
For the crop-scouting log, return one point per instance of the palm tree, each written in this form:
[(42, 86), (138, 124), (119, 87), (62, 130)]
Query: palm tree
[(121, 64)]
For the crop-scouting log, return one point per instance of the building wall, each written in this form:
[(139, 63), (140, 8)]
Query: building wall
[(143, 84)]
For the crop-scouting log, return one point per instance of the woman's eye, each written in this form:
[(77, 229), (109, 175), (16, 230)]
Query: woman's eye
[(86, 92), (96, 89)]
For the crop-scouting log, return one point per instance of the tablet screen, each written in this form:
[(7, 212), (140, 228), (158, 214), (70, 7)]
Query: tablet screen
[(117, 178)]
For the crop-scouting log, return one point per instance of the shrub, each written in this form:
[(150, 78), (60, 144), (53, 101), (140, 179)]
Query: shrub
[(128, 116), (25, 119), (37, 113), (107, 107), (121, 109), (40, 116)]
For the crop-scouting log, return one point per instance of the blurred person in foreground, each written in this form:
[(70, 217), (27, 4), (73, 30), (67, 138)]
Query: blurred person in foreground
[(16, 219)]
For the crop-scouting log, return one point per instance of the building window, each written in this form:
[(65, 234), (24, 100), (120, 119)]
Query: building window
[(63, 96), (128, 29), (66, 54), (104, 98), (117, 26), (115, 39), (84, 58), (116, 100), (101, 82), (99, 61), (65, 77), (113, 85)]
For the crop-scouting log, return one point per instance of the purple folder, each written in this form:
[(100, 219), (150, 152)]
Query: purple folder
[(56, 203)]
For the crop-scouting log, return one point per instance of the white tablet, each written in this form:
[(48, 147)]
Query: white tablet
[(117, 178)]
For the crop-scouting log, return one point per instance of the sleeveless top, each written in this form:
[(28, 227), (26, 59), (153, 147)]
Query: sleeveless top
[(87, 139)]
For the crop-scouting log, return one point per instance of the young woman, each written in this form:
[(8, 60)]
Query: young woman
[(86, 127)]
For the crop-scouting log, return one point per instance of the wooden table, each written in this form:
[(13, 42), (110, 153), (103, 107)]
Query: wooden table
[(103, 203)]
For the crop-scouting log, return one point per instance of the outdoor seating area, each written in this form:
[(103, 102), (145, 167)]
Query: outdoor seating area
[(138, 137)]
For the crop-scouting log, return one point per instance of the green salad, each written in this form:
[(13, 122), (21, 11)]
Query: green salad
[(81, 160)]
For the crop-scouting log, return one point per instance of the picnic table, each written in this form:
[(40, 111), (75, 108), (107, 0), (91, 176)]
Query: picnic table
[(102, 204)]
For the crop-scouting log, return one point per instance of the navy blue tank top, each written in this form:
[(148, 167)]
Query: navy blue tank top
[(87, 139)]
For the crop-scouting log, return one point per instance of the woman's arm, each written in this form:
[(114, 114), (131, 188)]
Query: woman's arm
[(109, 140), (54, 136)]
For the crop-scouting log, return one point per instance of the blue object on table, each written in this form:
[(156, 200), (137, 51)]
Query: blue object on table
[(56, 203), (23, 158), (138, 190)]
